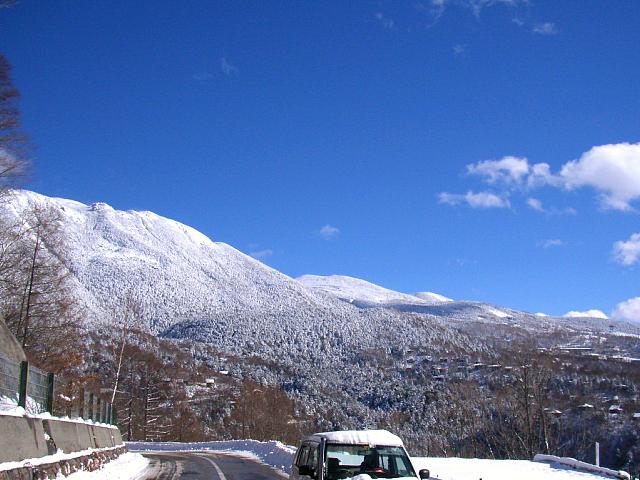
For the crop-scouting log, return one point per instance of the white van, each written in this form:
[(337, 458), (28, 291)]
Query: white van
[(353, 454)]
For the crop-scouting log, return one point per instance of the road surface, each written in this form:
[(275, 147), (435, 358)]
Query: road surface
[(206, 465)]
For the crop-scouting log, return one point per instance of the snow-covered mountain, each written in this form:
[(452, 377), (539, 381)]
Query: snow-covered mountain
[(433, 297), (355, 290), (192, 287), (175, 271), (181, 277)]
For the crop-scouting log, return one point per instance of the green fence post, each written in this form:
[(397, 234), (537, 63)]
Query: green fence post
[(90, 406), (50, 381), (108, 417), (114, 416), (99, 410), (22, 388)]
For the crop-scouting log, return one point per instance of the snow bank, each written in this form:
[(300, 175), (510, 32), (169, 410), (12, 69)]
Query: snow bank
[(577, 464), (275, 454), (125, 467), (473, 468), (9, 407), (55, 458)]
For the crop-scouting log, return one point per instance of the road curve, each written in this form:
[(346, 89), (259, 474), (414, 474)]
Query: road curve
[(206, 465)]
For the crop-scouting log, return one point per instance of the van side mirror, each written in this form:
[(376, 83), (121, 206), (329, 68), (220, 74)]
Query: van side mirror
[(424, 473)]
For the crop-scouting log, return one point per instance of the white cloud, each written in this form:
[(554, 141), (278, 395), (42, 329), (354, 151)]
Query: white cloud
[(535, 204), (588, 313), (540, 175), (474, 200), (202, 76), (227, 68), (434, 9), (513, 171), (508, 169), (459, 49), (329, 231), (386, 22), (627, 253), (476, 6), (552, 242), (628, 310), (546, 28), (612, 170), (267, 252)]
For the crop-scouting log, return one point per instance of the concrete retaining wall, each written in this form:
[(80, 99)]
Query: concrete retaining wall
[(21, 438), (24, 437)]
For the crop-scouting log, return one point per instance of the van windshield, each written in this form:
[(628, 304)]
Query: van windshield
[(347, 461)]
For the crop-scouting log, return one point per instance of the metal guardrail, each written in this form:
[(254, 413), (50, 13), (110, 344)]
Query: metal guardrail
[(33, 390)]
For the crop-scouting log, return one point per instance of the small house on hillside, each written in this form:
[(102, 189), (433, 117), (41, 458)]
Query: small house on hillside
[(615, 409)]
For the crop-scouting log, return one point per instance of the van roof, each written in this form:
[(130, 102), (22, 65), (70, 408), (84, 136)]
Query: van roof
[(360, 437)]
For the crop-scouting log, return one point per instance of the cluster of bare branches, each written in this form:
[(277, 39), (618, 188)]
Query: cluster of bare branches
[(13, 143), (37, 300), (263, 413), (35, 285)]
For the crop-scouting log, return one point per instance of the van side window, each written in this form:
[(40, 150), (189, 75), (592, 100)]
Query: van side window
[(312, 461), (302, 455)]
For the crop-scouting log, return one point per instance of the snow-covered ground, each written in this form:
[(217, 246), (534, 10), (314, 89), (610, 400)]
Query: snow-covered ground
[(56, 457), (125, 467), (473, 468)]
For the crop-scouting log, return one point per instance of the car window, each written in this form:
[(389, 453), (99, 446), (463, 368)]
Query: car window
[(312, 461), (345, 461), (302, 455)]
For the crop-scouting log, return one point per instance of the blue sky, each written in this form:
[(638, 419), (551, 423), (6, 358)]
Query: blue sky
[(400, 142)]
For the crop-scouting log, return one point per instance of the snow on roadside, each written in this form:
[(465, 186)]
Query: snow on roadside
[(280, 456), (473, 468), (126, 467), (56, 457), (274, 454)]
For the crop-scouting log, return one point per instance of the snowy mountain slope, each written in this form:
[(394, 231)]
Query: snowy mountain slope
[(192, 287), (355, 290), (181, 277), (367, 295), (175, 271), (433, 297), (363, 293)]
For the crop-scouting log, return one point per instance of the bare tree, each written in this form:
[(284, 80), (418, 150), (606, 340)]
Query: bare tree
[(38, 300), (131, 311), (13, 143)]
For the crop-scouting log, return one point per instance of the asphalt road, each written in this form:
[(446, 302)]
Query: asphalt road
[(206, 465)]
